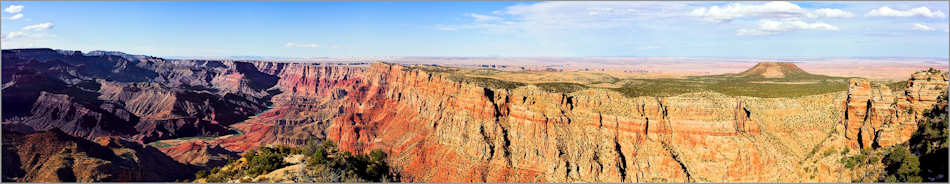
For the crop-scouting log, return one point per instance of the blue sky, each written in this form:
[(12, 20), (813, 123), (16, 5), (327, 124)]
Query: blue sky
[(343, 29)]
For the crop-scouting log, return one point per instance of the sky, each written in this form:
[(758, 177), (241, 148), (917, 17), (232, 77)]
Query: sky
[(483, 29)]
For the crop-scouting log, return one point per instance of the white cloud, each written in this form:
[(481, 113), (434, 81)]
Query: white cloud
[(14, 9), (769, 27), (38, 27), (296, 45), (557, 16), (13, 35), (484, 18), (22, 34), (885, 11), (775, 9), (17, 16), (830, 13), (922, 27)]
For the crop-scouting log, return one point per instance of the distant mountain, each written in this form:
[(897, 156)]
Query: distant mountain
[(774, 70), (260, 58), (786, 70)]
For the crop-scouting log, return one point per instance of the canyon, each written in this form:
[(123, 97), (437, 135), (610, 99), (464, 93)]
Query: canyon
[(196, 114)]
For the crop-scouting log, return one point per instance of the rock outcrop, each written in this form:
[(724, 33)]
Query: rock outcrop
[(435, 127), (774, 70), (139, 97), (54, 156), (200, 153), (877, 117)]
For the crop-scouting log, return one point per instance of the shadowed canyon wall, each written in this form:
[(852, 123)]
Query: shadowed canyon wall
[(439, 129)]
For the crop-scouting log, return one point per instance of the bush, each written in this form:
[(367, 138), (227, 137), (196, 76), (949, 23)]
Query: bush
[(487, 82), (901, 166), (266, 160), (356, 167), (324, 163), (319, 153), (924, 156), (201, 174), (929, 143), (561, 87)]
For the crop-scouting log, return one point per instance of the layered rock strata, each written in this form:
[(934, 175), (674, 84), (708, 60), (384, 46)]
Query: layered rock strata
[(438, 129), (880, 117), (54, 156)]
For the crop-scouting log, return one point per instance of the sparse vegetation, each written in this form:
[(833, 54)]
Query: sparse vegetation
[(930, 145), (487, 82), (794, 83), (325, 159), (659, 87), (922, 158), (828, 152), (265, 159), (323, 163), (561, 87), (865, 157), (897, 86), (433, 68), (737, 86), (901, 165)]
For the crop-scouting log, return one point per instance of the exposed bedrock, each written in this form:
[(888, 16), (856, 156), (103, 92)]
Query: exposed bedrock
[(54, 156), (876, 116), (437, 129), (139, 97)]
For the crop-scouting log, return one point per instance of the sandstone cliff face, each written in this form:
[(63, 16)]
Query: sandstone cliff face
[(54, 156), (139, 97), (876, 117), (200, 153), (436, 129)]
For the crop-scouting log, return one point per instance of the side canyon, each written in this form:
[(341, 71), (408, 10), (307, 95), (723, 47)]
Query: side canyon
[(124, 115)]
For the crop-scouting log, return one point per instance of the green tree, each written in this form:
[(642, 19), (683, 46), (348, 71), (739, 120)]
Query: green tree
[(930, 142), (901, 165)]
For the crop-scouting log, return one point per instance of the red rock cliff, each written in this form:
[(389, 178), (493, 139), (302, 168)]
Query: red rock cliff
[(876, 117), (437, 129)]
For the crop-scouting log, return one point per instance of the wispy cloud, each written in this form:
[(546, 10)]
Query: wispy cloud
[(543, 17), (309, 45), (484, 18), (17, 16), (775, 9), (296, 45), (885, 11), (14, 9), (32, 36), (830, 13), (922, 27), (770, 27), (13, 35), (39, 27)]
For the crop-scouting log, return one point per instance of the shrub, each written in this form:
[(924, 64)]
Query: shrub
[(268, 159), (924, 156), (352, 167), (929, 143), (561, 87), (901, 166)]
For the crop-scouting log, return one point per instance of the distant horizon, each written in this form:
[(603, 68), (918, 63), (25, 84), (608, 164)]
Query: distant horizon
[(484, 29), (348, 57)]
